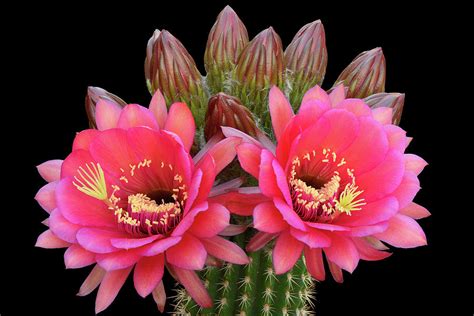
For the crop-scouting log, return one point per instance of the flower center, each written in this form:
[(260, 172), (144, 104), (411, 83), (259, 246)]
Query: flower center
[(140, 214), (322, 188)]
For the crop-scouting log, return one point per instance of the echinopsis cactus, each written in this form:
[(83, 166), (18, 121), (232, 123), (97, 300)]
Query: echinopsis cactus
[(329, 183)]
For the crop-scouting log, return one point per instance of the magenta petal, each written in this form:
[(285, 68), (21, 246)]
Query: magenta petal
[(224, 152), (77, 257), (134, 115), (259, 240), (128, 243), (314, 263), (415, 211), (188, 254), (414, 163), (148, 273), (92, 281), (289, 215), (343, 253), (84, 138), (193, 285), (210, 222), (286, 252), (240, 202), (315, 93), (62, 228), (403, 232), (159, 295), (189, 218), (120, 259), (267, 218), (46, 196), (161, 246), (249, 158), (397, 138), (383, 115), (371, 213), (368, 252), (49, 241), (328, 227), (109, 288), (202, 187), (233, 230), (356, 106), (98, 240), (78, 158), (107, 114), (336, 272), (158, 108), (407, 190), (181, 122), (50, 170), (267, 179), (225, 250), (280, 110), (337, 95), (362, 231), (313, 238)]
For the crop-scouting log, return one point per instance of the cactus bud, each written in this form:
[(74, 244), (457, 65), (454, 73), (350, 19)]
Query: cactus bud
[(225, 110), (391, 100), (306, 60), (365, 75), (259, 67), (149, 60), (94, 94), (226, 40)]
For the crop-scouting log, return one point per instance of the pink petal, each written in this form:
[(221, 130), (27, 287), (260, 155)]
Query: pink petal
[(98, 240), (336, 272), (403, 232), (84, 138), (356, 106), (315, 93), (371, 213), (62, 228), (181, 122), (46, 196), (76, 159), (193, 285), (328, 227), (49, 241), (92, 281), (232, 132), (289, 214), (107, 114), (210, 143), (120, 259), (148, 273), (210, 222), (233, 230), (202, 183), (267, 178), (135, 115), (396, 137), (408, 189), (313, 238), (286, 252), (189, 218), (158, 108), (77, 257), (109, 288), (280, 110), (225, 250), (161, 246), (281, 180), (129, 243), (266, 142), (188, 254), (343, 253), (268, 219), (383, 115), (337, 95), (259, 240), (314, 263), (367, 252), (50, 170), (224, 152), (362, 231), (159, 295), (249, 158), (240, 203), (415, 211), (227, 186), (414, 163)]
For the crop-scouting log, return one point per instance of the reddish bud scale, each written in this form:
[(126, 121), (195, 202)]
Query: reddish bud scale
[(365, 75), (94, 94), (391, 100)]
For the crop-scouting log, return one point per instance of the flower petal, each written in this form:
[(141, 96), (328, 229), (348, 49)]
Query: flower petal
[(408, 189), (107, 114), (161, 246), (286, 252), (259, 240), (62, 228), (84, 138), (342, 252), (336, 272), (49, 241), (109, 288), (289, 215), (159, 295), (210, 222), (46, 196), (189, 218), (148, 273), (403, 232), (313, 238), (77, 257), (135, 115), (383, 115), (337, 95), (414, 163), (92, 281), (158, 108), (224, 152), (188, 254), (315, 93), (280, 110), (193, 285), (249, 158), (181, 122), (98, 240), (397, 138), (120, 259), (314, 263), (368, 252), (128, 243), (50, 170), (239, 202), (267, 218), (225, 250), (371, 213), (415, 211)]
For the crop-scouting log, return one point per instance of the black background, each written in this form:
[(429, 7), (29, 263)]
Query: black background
[(63, 49)]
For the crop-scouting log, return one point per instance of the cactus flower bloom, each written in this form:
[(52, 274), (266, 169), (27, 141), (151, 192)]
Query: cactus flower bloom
[(130, 196), (339, 183)]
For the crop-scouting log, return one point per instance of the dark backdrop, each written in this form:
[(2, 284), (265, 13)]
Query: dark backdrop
[(64, 49)]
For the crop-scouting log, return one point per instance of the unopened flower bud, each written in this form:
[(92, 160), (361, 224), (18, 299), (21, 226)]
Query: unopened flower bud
[(149, 61), (94, 94), (365, 75), (395, 101), (226, 40), (259, 67), (306, 60), (225, 110)]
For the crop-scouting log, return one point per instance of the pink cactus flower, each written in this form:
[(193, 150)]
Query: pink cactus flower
[(130, 196), (338, 183)]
